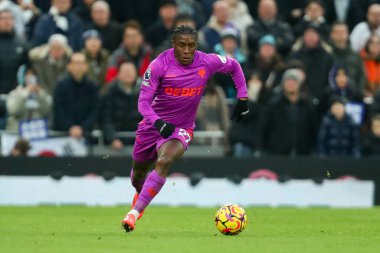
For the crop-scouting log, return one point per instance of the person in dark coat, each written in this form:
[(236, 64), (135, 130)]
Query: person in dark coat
[(317, 60), (118, 111), (76, 100), (338, 134), (343, 55), (287, 127), (111, 31), (83, 11), (291, 11), (161, 29), (145, 12), (59, 20), (351, 15), (371, 143), (13, 53), (267, 23), (314, 12)]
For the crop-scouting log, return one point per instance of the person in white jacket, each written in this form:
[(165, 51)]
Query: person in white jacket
[(28, 101), (362, 31)]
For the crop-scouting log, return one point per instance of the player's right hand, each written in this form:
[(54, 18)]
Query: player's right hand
[(164, 128)]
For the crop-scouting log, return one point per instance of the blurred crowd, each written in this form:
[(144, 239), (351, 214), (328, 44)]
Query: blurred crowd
[(312, 69)]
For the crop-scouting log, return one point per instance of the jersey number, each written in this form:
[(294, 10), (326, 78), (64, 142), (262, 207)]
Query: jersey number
[(182, 132)]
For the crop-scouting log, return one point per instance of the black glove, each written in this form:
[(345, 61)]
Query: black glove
[(164, 128), (241, 110)]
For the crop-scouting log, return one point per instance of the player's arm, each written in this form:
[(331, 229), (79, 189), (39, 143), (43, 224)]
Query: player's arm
[(149, 86), (230, 66)]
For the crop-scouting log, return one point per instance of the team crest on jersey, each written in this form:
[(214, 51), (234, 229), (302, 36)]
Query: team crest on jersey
[(202, 73), (223, 59), (147, 74)]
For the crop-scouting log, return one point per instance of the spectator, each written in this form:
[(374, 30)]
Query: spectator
[(287, 127), (97, 57), (267, 23), (30, 16), (209, 35), (229, 47), (17, 14), (317, 60), (59, 20), (28, 101), (267, 68), (132, 49), (111, 31), (291, 11), (193, 8), (12, 53), (76, 100), (338, 134), (313, 17), (243, 135), (145, 12), (50, 60), (344, 56), (339, 86), (212, 114), (161, 29), (344, 11), (371, 144), (21, 148), (240, 18), (371, 58), (119, 106), (83, 11), (362, 31)]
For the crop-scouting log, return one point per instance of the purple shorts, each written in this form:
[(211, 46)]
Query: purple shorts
[(148, 141)]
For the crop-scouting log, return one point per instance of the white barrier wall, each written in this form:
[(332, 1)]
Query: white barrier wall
[(19, 190)]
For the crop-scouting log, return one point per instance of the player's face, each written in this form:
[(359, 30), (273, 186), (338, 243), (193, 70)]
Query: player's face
[(184, 48)]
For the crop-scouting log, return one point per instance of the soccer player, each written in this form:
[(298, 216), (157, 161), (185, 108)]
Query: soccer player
[(171, 90)]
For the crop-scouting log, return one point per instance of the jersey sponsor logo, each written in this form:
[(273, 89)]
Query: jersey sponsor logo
[(147, 74), (183, 92), (202, 72), (223, 59)]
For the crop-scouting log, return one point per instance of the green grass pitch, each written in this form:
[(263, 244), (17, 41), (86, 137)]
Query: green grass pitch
[(187, 229)]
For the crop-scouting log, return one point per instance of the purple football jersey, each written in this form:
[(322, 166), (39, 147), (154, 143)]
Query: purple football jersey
[(171, 91)]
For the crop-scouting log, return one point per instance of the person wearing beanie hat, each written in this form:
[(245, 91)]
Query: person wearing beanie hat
[(97, 57), (267, 40), (287, 126), (229, 46)]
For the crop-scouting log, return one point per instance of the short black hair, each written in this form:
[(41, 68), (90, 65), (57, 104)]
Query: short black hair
[(185, 29), (183, 17)]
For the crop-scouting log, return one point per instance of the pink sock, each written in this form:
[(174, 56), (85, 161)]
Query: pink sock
[(152, 186), (138, 183)]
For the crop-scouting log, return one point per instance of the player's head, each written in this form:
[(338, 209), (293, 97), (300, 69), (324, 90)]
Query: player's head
[(185, 41)]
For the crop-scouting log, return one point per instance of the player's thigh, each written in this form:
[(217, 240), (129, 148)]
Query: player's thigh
[(171, 150)]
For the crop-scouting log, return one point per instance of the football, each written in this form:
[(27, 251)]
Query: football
[(231, 219)]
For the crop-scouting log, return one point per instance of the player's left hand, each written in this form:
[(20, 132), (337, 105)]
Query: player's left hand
[(241, 110)]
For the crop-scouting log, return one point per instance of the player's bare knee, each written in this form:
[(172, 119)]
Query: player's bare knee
[(164, 163)]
